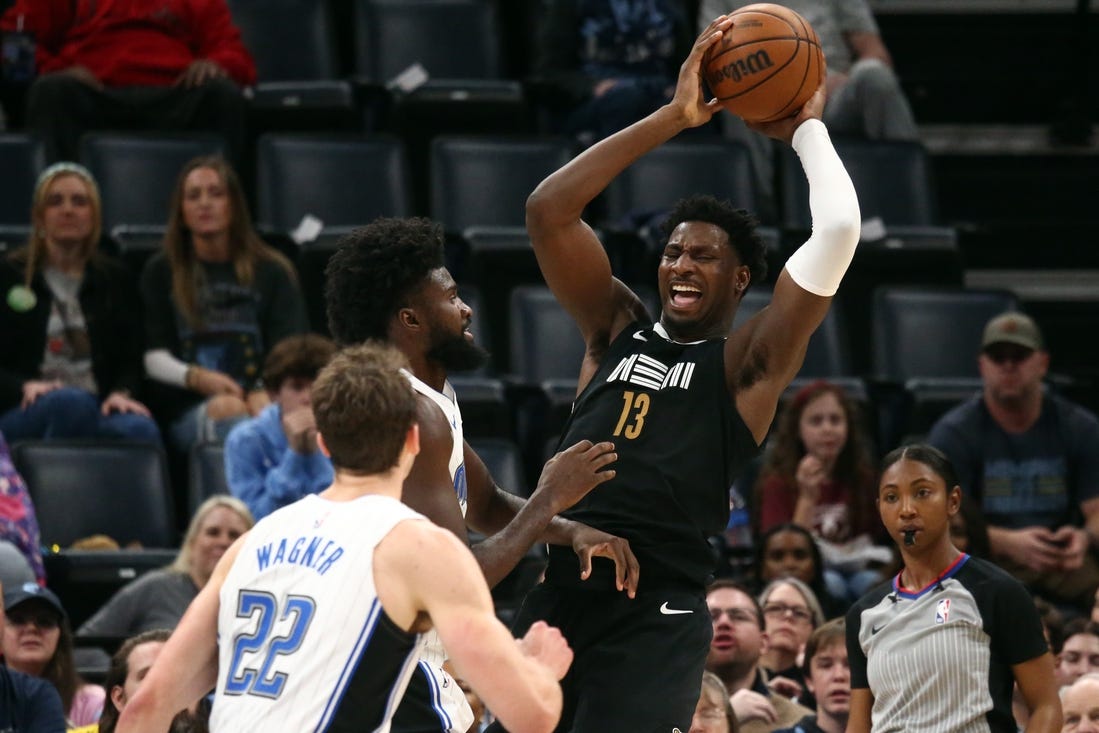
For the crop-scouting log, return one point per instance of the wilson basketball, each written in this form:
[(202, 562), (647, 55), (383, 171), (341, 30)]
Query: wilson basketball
[(767, 65)]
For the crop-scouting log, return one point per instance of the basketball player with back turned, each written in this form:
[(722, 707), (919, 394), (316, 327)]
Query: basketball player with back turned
[(685, 402), (313, 620)]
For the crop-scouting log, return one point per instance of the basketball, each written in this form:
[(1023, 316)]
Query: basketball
[(767, 65)]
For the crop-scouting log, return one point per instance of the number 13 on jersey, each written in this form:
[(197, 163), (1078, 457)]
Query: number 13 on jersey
[(635, 405)]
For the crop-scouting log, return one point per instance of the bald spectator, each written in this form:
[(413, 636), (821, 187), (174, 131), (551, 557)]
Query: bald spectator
[(132, 64), (1080, 703)]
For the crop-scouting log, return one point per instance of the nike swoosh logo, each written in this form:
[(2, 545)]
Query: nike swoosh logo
[(876, 629), (637, 335), (673, 611)]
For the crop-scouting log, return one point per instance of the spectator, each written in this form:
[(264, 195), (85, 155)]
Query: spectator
[(828, 677), (1031, 460), (272, 460), (739, 642), (217, 298), (37, 641), (939, 647), (1080, 651), (27, 704), (158, 599), (790, 614), (969, 530), (788, 550), (605, 64), (865, 98), (129, 665), (1081, 705), (134, 64), (819, 474), (713, 714), (71, 365), (18, 524)]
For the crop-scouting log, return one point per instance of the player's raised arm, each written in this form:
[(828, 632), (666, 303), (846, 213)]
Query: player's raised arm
[(420, 568), (763, 357), (570, 256)]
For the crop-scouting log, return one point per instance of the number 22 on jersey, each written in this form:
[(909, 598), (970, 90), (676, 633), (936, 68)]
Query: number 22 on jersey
[(263, 680), (635, 405)]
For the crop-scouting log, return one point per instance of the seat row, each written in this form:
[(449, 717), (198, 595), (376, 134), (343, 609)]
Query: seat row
[(122, 490), (347, 180)]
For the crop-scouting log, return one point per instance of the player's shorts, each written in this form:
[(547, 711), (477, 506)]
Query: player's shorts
[(433, 703), (637, 663)]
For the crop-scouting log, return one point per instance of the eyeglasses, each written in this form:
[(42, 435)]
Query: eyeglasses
[(41, 619), (781, 609), (736, 615)]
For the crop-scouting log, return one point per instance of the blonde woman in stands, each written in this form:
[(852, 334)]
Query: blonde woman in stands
[(158, 599), (217, 299), (70, 324)]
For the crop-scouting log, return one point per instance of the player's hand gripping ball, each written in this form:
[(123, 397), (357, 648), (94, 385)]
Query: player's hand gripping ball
[(767, 65)]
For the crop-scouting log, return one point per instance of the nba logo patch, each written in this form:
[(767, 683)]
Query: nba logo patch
[(942, 611)]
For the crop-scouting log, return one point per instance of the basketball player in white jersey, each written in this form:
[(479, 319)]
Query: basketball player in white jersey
[(387, 282), (313, 620)]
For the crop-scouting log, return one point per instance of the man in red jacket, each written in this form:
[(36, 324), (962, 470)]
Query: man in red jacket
[(132, 64)]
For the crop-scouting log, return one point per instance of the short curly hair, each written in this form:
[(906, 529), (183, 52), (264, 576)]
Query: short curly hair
[(374, 271), (738, 224)]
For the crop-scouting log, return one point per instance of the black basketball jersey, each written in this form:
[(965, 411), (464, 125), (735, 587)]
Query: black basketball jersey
[(680, 444)]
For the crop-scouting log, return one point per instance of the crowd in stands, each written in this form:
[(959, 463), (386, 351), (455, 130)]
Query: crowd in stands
[(210, 343)]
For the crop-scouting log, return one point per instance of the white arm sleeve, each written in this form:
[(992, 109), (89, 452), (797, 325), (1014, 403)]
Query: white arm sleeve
[(161, 366), (819, 264)]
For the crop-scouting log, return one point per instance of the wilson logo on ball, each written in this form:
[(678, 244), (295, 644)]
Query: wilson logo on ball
[(737, 69)]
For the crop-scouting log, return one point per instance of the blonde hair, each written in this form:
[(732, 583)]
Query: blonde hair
[(35, 250), (184, 562)]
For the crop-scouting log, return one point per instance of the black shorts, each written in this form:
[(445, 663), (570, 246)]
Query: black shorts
[(638, 663)]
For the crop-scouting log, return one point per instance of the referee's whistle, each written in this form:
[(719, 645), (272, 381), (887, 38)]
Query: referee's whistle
[(909, 537)]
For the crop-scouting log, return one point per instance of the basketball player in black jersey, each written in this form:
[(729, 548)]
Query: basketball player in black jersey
[(685, 402), (387, 282)]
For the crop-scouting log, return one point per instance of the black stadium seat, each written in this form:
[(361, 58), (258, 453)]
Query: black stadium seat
[(82, 488), (342, 180), (137, 172), (22, 158), (931, 332), (485, 181)]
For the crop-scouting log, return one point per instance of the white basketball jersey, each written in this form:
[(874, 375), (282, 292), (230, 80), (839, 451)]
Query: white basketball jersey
[(448, 403), (303, 641), (447, 699)]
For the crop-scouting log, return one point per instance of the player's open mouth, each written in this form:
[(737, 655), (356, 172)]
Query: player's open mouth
[(684, 295)]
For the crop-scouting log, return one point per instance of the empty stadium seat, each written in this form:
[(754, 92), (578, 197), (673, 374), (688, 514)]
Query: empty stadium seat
[(82, 488), (137, 173), (717, 167), (936, 333), (344, 181), (485, 181), (293, 45), (22, 158)]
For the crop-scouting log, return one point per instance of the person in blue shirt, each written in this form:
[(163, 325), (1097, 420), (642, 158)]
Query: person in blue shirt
[(27, 704), (272, 460)]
